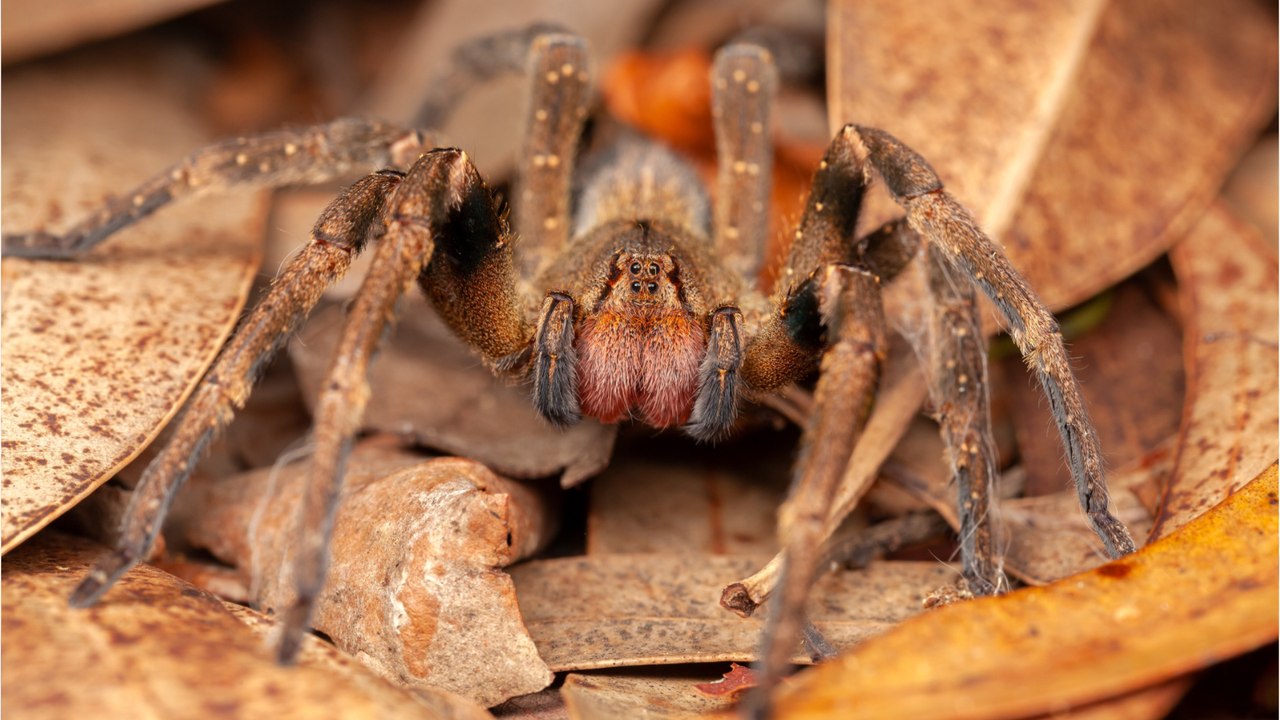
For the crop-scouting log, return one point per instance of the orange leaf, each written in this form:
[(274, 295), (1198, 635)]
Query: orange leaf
[(1204, 593)]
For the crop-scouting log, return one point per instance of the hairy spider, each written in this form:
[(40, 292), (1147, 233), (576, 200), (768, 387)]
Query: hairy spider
[(619, 294)]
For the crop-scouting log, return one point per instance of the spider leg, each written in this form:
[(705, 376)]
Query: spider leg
[(744, 82), (476, 62), (850, 306), (339, 234), (440, 216), (963, 408), (559, 78), (933, 213), (286, 157)]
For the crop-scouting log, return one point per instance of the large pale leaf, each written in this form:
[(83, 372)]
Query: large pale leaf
[(98, 353)]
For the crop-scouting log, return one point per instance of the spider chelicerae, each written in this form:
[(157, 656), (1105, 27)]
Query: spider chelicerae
[(619, 294)]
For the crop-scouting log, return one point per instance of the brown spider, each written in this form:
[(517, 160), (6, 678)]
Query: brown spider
[(629, 298)]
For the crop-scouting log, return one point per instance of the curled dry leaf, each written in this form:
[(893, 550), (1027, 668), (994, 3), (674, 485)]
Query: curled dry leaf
[(617, 610), (99, 353), (455, 404), (1086, 135), (1227, 280), (1204, 593), (156, 647), (415, 587)]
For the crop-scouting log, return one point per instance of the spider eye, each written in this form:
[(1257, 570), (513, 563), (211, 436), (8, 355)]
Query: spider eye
[(653, 287), (653, 268), (635, 269), (635, 286)]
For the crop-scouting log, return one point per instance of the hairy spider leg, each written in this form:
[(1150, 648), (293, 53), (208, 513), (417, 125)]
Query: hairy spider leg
[(296, 156), (744, 83), (339, 234), (442, 230)]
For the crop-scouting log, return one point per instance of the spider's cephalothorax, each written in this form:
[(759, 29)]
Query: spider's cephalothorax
[(628, 299)]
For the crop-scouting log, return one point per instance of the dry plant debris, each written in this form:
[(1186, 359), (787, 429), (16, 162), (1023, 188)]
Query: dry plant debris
[(1089, 173), (625, 610)]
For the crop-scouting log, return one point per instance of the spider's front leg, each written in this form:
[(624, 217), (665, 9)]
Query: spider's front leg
[(339, 234), (285, 157), (442, 230)]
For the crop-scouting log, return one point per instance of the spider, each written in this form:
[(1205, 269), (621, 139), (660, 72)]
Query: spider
[(620, 293)]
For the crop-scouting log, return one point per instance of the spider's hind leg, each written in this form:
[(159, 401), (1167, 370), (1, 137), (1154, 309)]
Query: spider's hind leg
[(947, 225)]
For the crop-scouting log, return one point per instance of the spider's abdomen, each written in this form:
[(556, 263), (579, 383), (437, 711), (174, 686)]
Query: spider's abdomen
[(639, 352)]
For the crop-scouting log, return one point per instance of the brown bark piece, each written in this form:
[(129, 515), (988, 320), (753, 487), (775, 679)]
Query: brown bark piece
[(415, 587), (99, 353), (456, 405), (157, 648), (618, 610), (1228, 284)]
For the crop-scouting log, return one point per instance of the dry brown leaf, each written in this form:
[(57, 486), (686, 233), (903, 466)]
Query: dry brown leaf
[(1130, 370), (99, 353), (32, 27), (617, 610), (156, 647), (1227, 279), (455, 404), (1202, 594), (634, 693), (720, 505), (1085, 135), (415, 587)]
